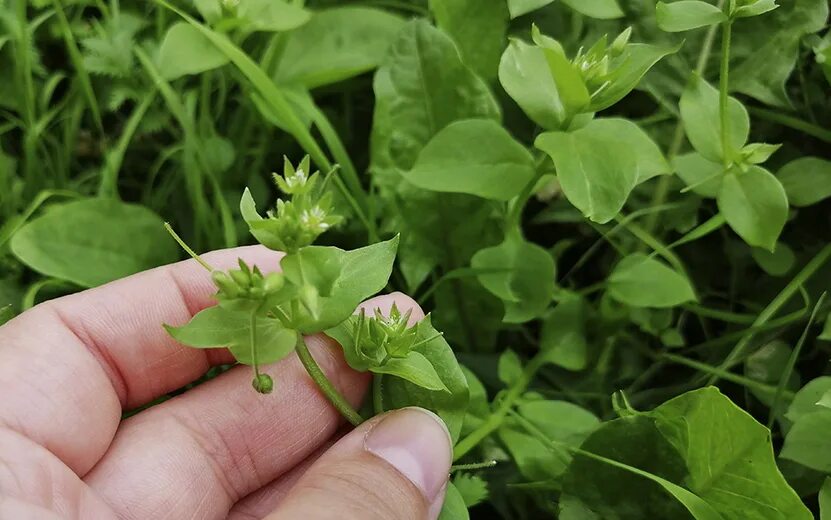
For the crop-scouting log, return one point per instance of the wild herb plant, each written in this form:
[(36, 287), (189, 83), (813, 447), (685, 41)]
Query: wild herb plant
[(615, 212)]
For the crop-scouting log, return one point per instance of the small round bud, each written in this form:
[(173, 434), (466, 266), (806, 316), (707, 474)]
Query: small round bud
[(242, 279), (263, 384)]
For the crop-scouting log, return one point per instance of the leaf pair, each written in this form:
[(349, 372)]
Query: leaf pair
[(752, 200)]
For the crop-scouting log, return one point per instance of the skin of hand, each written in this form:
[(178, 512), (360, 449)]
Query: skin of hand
[(71, 366)]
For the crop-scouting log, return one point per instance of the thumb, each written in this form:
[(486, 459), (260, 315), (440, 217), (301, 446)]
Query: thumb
[(393, 466)]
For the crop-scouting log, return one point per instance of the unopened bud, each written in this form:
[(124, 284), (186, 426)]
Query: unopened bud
[(263, 383)]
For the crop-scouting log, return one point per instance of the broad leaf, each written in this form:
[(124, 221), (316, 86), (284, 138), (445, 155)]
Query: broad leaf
[(523, 277), (454, 507), (337, 44), (642, 281), (756, 8), (185, 50), (272, 15), (414, 368), (601, 9), (805, 401), (599, 164), (755, 205), (90, 242), (217, 327), (806, 180), (475, 156), (702, 176), (341, 280), (520, 7), (687, 14), (543, 83), (478, 28), (807, 441), (423, 87), (449, 404), (563, 336), (766, 49), (700, 114), (776, 263), (720, 455)]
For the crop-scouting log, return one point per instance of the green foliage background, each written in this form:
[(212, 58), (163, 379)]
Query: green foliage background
[(596, 248)]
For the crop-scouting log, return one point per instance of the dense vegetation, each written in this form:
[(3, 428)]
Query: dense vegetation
[(616, 212)]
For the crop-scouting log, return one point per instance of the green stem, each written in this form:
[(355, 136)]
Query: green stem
[(377, 395), (723, 93), (187, 248), (332, 394), (255, 362), (494, 421), (792, 122), (773, 307), (724, 374), (662, 188)]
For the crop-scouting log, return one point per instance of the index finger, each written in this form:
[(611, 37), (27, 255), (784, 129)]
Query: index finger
[(70, 366)]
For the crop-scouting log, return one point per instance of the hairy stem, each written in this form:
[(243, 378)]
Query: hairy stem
[(332, 394), (377, 396)]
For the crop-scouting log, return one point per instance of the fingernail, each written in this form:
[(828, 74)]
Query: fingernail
[(416, 443)]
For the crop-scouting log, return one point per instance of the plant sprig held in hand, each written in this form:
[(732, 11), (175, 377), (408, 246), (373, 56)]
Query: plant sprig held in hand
[(262, 317)]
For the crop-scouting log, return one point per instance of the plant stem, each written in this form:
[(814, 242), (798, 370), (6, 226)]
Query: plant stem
[(724, 374), (187, 248), (377, 396), (773, 307), (494, 421), (332, 394), (723, 93), (792, 122), (662, 189), (254, 355)]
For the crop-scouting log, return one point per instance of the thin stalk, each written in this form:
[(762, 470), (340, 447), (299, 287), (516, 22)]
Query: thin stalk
[(662, 188), (115, 156), (724, 374), (332, 394), (791, 364), (187, 248), (773, 307), (792, 122), (494, 421), (255, 362), (724, 94)]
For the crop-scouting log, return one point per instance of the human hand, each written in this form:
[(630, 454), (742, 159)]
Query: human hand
[(71, 366)]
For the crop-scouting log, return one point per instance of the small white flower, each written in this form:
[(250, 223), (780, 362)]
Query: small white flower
[(297, 180), (313, 219)]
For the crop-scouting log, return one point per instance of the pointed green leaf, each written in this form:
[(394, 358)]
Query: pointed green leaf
[(415, 368), (475, 156), (185, 50), (90, 242), (599, 164), (686, 15), (700, 114), (523, 277), (642, 281), (806, 180), (755, 205), (217, 327)]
